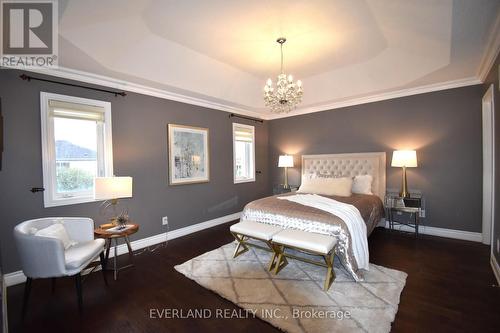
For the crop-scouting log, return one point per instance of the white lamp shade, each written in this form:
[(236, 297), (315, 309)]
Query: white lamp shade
[(112, 188), (285, 161), (404, 158)]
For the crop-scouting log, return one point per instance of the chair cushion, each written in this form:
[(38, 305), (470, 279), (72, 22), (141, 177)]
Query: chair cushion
[(305, 240), (255, 229), (56, 231), (80, 253)]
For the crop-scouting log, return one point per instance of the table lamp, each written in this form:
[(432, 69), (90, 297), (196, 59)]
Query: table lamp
[(404, 159), (111, 189), (285, 161)]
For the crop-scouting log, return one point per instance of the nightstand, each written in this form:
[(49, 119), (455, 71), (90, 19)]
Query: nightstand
[(102, 232), (280, 189), (404, 211)]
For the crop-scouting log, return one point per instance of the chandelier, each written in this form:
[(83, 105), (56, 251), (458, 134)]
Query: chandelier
[(287, 94)]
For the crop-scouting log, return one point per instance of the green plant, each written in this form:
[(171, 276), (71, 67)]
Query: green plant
[(71, 179), (122, 219)]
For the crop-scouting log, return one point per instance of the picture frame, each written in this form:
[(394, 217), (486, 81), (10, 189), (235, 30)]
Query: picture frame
[(188, 154)]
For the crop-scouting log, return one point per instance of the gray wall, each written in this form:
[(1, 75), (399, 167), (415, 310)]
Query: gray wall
[(444, 127), (140, 151), (492, 78)]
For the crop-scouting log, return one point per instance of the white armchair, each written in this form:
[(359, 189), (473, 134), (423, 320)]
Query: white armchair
[(45, 257)]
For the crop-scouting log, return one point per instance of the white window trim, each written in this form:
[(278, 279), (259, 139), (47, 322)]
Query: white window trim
[(48, 149), (248, 180)]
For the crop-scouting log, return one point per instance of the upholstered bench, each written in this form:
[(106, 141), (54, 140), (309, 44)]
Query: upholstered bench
[(255, 230), (308, 242)]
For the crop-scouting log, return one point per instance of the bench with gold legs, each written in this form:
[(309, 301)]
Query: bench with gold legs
[(310, 243), (245, 230)]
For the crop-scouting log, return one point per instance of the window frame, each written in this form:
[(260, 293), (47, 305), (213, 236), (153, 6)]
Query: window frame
[(104, 147), (246, 180)]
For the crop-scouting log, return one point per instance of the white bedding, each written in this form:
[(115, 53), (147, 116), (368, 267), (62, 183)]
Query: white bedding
[(349, 214)]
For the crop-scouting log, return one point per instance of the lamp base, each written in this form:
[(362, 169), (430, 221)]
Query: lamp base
[(286, 186), (404, 186), (404, 195)]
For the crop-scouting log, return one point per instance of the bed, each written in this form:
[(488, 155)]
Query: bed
[(288, 214)]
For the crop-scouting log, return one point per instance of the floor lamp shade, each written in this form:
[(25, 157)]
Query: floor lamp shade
[(404, 159), (106, 188)]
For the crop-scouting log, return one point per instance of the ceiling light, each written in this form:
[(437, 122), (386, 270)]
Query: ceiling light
[(287, 94)]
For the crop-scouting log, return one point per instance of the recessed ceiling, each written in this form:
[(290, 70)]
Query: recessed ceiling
[(222, 51)]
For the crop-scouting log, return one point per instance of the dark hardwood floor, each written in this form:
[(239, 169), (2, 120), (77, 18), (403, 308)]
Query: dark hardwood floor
[(450, 288)]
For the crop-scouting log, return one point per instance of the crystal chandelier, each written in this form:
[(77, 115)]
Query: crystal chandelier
[(287, 94)]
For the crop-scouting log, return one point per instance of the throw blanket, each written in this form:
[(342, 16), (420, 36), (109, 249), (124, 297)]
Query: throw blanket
[(349, 214)]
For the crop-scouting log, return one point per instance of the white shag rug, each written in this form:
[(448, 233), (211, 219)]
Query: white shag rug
[(294, 300)]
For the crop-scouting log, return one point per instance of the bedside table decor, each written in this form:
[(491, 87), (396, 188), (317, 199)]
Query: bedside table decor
[(111, 189), (280, 189), (285, 161), (404, 159)]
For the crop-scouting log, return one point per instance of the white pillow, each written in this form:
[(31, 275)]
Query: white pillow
[(327, 186), (362, 184), (56, 231)]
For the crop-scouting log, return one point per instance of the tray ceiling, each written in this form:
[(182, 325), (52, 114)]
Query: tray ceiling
[(222, 51)]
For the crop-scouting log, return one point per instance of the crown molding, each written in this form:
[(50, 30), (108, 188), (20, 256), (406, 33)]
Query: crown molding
[(105, 81), (90, 78), (379, 97), (491, 51)]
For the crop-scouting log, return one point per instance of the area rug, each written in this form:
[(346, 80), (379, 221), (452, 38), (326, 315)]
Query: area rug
[(294, 300)]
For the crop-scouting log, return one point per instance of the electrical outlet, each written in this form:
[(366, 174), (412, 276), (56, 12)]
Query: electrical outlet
[(422, 213), (164, 220)]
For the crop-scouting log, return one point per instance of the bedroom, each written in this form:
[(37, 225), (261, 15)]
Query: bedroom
[(176, 96)]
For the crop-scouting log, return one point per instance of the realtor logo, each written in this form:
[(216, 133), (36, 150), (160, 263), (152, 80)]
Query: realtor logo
[(29, 33)]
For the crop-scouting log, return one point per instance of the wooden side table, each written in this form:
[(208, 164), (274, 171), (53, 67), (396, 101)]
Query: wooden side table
[(109, 236)]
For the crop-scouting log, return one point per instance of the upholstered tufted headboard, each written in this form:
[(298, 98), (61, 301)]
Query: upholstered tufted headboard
[(341, 165)]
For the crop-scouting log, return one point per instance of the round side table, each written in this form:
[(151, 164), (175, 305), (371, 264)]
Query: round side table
[(103, 232)]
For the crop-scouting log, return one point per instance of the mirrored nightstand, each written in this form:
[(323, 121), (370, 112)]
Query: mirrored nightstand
[(404, 211), (280, 189)]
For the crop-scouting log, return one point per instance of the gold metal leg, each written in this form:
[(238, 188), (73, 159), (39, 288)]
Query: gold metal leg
[(241, 243), (282, 262), (273, 258), (330, 273)]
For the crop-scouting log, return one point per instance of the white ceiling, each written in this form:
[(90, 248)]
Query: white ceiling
[(220, 52)]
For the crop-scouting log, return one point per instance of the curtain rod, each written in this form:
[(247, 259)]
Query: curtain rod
[(245, 117), (29, 78)]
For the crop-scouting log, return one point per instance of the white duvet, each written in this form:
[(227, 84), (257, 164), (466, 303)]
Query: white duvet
[(351, 217)]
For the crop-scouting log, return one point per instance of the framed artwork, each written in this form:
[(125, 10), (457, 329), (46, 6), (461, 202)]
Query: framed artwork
[(188, 155)]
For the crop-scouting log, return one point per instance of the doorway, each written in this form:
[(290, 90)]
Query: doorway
[(488, 164)]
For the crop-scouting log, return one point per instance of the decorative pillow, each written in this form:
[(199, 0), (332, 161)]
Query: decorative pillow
[(56, 231), (327, 186), (362, 184)]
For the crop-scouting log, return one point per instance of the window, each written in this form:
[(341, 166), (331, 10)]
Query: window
[(76, 147), (243, 153)]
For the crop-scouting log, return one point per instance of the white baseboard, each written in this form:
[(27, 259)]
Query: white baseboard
[(495, 267), (18, 277), (440, 232)]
